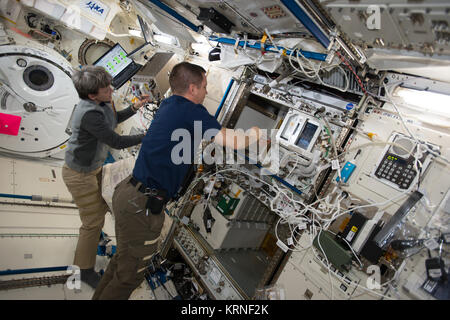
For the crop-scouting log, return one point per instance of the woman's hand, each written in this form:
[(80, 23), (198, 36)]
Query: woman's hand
[(143, 99)]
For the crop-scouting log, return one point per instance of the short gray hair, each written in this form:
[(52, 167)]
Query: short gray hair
[(89, 79)]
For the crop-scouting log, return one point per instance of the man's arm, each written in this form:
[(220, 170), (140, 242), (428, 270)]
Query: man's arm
[(237, 139), (94, 123)]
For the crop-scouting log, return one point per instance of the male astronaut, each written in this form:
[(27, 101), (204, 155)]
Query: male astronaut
[(140, 199)]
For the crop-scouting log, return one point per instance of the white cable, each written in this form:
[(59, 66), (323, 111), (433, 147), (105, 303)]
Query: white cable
[(313, 72), (291, 218), (333, 145), (273, 42)]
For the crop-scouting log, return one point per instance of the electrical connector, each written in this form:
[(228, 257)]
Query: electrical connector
[(401, 245), (436, 269)]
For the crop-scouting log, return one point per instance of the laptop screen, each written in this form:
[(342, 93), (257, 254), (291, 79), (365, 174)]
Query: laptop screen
[(114, 61), (146, 32)]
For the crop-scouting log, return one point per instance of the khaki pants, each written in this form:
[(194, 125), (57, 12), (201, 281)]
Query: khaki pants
[(86, 190), (137, 237)]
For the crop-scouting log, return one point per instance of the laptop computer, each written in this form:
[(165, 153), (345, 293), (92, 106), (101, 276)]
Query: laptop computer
[(146, 32), (121, 67)]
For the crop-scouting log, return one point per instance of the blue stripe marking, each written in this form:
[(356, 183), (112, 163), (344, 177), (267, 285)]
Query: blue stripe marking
[(175, 14), (33, 270), (298, 12), (224, 98), (15, 196), (269, 48)]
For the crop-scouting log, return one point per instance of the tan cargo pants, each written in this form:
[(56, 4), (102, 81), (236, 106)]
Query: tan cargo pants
[(86, 190), (137, 237)]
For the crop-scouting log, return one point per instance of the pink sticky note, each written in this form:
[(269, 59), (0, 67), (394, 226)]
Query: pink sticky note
[(9, 124)]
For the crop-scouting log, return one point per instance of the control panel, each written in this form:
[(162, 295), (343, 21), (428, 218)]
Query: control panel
[(300, 99), (205, 266), (396, 170), (400, 161), (299, 132), (308, 275)]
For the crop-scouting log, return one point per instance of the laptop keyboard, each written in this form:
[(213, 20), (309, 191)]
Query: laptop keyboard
[(126, 75)]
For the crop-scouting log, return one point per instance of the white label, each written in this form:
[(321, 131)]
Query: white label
[(335, 164), (208, 224), (185, 220), (290, 242), (430, 285), (301, 226), (435, 273), (260, 79), (215, 275), (431, 244), (350, 236), (282, 246)]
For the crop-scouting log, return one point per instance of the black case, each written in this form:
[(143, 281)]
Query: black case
[(215, 20)]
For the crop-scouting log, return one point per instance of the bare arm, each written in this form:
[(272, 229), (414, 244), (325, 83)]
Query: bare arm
[(237, 139)]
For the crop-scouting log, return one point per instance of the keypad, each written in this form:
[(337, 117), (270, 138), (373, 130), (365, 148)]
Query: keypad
[(396, 170)]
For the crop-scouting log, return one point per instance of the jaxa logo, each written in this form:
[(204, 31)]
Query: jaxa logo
[(95, 7)]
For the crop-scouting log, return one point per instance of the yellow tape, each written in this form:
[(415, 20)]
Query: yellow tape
[(264, 38), (263, 41)]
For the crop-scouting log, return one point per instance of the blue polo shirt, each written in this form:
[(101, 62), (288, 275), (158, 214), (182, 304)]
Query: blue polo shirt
[(169, 146)]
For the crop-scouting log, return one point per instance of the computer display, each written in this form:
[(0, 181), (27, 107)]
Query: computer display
[(306, 136), (119, 65), (114, 61), (146, 32)]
